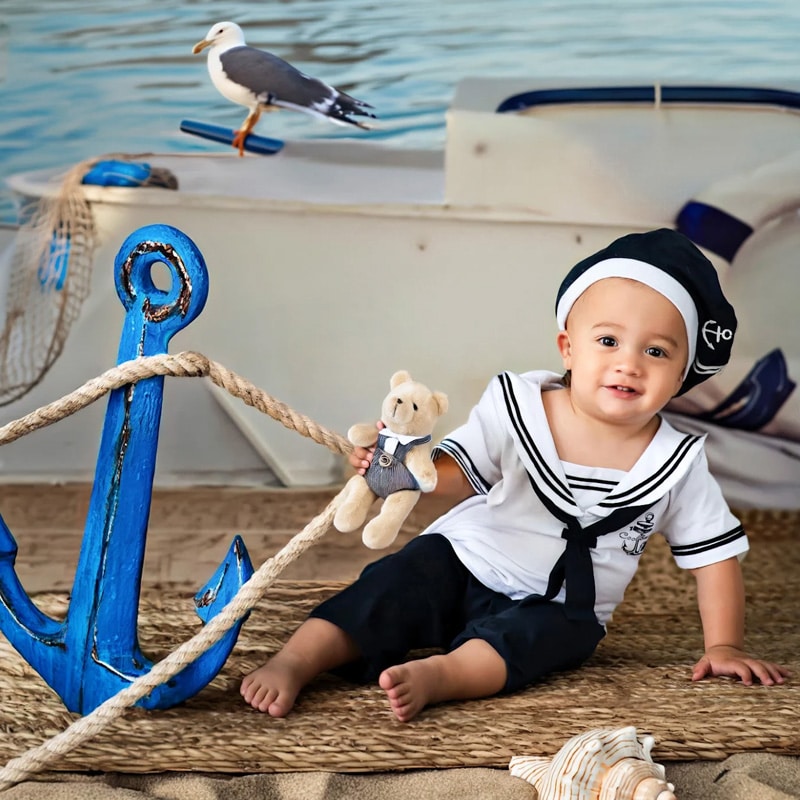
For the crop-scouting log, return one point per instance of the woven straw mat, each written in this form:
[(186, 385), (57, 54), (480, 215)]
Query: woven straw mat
[(639, 676)]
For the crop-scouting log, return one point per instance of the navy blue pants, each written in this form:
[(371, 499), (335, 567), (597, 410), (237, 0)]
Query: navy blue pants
[(424, 597)]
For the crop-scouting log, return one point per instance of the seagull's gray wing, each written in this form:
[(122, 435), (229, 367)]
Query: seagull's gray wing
[(271, 78), (274, 81)]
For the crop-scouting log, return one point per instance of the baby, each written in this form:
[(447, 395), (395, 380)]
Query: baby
[(555, 482)]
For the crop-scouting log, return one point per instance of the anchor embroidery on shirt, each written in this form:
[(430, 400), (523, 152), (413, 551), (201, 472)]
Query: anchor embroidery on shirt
[(637, 535)]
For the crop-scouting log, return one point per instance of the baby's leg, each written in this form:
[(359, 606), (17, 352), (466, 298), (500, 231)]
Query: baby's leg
[(315, 647), (475, 669)]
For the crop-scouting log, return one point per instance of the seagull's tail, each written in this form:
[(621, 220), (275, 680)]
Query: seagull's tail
[(336, 107), (344, 108)]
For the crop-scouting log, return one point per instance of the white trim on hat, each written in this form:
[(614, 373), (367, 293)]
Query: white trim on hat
[(654, 277)]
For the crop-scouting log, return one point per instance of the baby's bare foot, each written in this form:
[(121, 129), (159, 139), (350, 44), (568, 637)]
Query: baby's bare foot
[(273, 687), (411, 686)]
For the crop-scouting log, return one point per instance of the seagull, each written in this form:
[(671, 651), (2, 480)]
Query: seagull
[(263, 82)]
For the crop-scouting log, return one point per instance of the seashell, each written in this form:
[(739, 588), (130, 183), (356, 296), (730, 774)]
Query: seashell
[(529, 768), (635, 779), (597, 765)]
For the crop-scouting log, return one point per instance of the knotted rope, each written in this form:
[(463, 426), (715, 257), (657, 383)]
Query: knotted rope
[(186, 364)]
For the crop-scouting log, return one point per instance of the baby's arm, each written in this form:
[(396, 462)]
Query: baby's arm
[(720, 599), (451, 482)]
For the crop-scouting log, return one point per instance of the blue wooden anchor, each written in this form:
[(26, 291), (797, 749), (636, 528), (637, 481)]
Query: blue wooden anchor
[(94, 652)]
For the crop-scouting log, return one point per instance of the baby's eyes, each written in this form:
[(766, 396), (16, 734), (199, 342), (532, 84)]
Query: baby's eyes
[(655, 352)]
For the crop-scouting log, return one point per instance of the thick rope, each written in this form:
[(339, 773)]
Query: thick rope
[(83, 729), (187, 364), (181, 365)]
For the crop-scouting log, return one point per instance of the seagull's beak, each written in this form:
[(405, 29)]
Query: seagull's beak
[(200, 46)]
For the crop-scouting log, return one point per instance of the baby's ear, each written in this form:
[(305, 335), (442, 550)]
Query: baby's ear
[(565, 348)]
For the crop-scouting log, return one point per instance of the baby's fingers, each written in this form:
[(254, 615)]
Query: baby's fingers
[(359, 459), (769, 673), (701, 669), (742, 671), (747, 670), (766, 673)]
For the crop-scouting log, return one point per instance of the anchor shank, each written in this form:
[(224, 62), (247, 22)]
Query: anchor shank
[(103, 612)]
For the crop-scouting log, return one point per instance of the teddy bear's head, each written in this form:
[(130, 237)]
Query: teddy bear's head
[(411, 408)]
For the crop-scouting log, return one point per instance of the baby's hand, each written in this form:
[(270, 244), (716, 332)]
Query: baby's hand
[(724, 661), (361, 457)]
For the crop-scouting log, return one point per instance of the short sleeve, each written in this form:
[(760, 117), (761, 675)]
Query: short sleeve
[(698, 524), (476, 446)]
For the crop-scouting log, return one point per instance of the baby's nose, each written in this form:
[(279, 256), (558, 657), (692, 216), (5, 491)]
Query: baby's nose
[(629, 363)]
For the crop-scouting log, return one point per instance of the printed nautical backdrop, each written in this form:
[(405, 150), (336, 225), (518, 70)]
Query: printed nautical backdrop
[(79, 78)]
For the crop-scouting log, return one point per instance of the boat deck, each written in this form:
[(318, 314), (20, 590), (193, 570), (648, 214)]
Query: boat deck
[(318, 172)]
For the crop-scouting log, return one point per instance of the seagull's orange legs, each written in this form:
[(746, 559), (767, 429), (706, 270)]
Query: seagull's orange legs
[(244, 131)]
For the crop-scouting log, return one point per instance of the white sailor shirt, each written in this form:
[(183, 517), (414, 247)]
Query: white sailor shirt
[(508, 534)]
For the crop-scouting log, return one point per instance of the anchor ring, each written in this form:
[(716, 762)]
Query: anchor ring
[(167, 253)]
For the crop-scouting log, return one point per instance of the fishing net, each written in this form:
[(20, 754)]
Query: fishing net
[(49, 270), (47, 282)]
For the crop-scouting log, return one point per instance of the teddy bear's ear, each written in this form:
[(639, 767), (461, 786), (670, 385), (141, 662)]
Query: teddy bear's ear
[(441, 401), (399, 377)]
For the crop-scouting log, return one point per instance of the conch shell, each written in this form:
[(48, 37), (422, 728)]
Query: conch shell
[(597, 765)]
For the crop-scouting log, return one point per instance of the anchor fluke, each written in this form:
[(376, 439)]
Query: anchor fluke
[(235, 570), (225, 583), (33, 634)]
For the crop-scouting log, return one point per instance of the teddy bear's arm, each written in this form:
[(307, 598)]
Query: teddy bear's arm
[(421, 466), (363, 434)]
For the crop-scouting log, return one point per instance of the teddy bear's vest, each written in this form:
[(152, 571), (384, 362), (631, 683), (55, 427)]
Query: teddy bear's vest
[(387, 473)]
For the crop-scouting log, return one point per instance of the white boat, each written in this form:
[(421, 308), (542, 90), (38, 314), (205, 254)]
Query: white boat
[(334, 263)]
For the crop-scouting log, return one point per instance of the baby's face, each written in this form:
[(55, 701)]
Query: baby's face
[(626, 347)]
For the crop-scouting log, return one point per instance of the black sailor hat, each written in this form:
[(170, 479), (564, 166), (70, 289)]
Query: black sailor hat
[(670, 263)]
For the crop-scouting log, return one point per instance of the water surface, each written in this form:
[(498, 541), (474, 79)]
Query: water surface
[(83, 78)]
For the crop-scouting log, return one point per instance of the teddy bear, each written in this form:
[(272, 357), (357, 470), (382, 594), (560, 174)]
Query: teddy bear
[(401, 467)]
